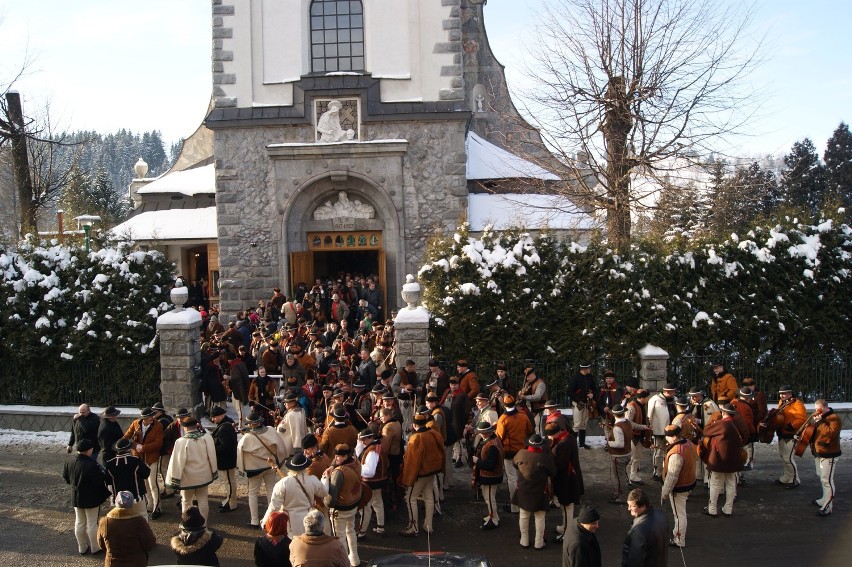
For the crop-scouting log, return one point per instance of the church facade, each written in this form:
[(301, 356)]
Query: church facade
[(346, 133)]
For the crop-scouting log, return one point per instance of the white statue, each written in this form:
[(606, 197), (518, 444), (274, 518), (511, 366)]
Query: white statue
[(479, 100), (329, 127), (344, 208)]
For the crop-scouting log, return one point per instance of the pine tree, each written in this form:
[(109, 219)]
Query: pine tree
[(838, 167), (75, 196), (111, 207), (803, 183)]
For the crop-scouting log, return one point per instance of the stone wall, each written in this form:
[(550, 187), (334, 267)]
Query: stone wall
[(255, 195), (179, 354)]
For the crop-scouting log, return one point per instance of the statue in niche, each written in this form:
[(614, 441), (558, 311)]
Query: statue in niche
[(479, 100), (329, 127), (344, 208)]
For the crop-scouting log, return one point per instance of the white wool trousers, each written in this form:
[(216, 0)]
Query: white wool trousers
[(266, 479), (200, 495), (722, 482), (422, 487), (635, 459), (511, 474), (86, 529), (678, 500), (489, 495), (343, 524), (785, 451), (231, 495), (580, 416), (825, 470), (524, 525), (153, 486), (376, 504)]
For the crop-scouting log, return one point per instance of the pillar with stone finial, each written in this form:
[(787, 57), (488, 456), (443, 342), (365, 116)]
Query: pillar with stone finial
[(411, 328), (653, 371), (180, 353)]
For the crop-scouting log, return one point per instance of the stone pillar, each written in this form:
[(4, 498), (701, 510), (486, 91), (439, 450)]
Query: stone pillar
[(653, 373), (180, 353), (411, 329)]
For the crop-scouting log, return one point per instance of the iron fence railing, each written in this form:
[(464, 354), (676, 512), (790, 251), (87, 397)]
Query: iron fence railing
[(125, 382), (828, 377)]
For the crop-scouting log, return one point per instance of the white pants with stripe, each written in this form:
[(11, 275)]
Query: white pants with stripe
[(825, 471), (678, 500)]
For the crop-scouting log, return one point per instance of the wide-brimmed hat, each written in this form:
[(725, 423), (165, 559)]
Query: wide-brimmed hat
[(550, 404), (728, 408), (493, 382), (146, 412), (670, 388), (745, 392), (217, 411), (366, 434), (159, 406), (310, 440), (297, 462), (485, 426), (535, 440), (339, 411), (254, 418), (482, 396), (181, 413), (111, 411), (682, 401), (785, 389), (618, 409), (122, 446), (291, 396), (379, 388)]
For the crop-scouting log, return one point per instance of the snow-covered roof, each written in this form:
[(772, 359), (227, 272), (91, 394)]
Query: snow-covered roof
[(171, 224), (186, 182), (530, 211), (487, 161)]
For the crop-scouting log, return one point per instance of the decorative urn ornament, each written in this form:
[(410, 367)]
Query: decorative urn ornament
[(411, 293), (179, 295)]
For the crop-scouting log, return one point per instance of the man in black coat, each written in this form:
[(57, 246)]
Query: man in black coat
[(581, 388), (85, 425), (225, 440), (124, 472), (580, 547), (109, 432), (88, 492), (646, 544)]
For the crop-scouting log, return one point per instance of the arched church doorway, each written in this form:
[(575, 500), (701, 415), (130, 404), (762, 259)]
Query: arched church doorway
[(330, 254)]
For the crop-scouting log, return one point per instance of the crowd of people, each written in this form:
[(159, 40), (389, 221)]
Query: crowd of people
[(335, 433)]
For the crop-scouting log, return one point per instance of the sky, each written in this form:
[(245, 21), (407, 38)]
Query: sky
[(109, 64)]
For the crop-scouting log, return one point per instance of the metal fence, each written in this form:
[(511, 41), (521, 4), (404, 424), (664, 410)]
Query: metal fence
[(828, 377), (127, 382)]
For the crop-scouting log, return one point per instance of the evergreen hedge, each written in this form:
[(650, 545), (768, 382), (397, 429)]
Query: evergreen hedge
[(779, 292), (61, 307)]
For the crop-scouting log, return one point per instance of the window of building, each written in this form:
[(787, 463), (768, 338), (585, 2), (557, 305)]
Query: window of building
[(337, 36)]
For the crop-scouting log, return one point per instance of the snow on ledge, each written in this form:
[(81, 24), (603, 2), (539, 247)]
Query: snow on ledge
[(343, 143), (417, 315), (63, 410), (185, 317), (651, 351)]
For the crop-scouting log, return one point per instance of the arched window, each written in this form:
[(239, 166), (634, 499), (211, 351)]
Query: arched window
[(337, 36)]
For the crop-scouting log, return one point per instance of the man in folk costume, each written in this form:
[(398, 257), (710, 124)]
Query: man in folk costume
[(722, 383), (405, 376), (468, 382), (678, 479), (534, 394), (339, 431), (795, 415), (535, 471), (495, 394), (636, 414), (459, 415), (146, 436), (391, 439), (703, 409), (238, 382), (437, 380), (609, 396), (319, 461), (568, 483), (722, 453), (374, 472), (260, 449), (744, 410), (124, 472), (825, 446), (488, 466), (619, 447), (88, 492), (293, 425), (296, 493), (109, 432), (660, 413), (758, 402), (684, 419), (192, 467), (552, 413), (581, 388), (343, 482), (513, 429), (424, 458), (437, 421), (172, 431), (225, 442)]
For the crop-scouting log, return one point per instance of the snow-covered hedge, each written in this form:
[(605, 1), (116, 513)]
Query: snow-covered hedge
[(58, 303), (779, 290)]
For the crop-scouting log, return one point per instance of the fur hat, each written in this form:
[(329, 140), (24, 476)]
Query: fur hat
[(673, 430), (192, 520), (341, 449), (509, 400), (552, 428)]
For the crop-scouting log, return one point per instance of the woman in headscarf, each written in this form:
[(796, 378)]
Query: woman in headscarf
[(273, 548), (125, 535)]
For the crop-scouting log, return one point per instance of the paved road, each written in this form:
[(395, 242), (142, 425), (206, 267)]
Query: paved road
[(771, 525)]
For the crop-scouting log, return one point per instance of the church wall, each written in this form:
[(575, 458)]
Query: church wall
[(260, 50), (264, 203)]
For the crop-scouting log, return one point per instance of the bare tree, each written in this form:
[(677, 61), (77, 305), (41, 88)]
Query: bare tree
[(639, 89)]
